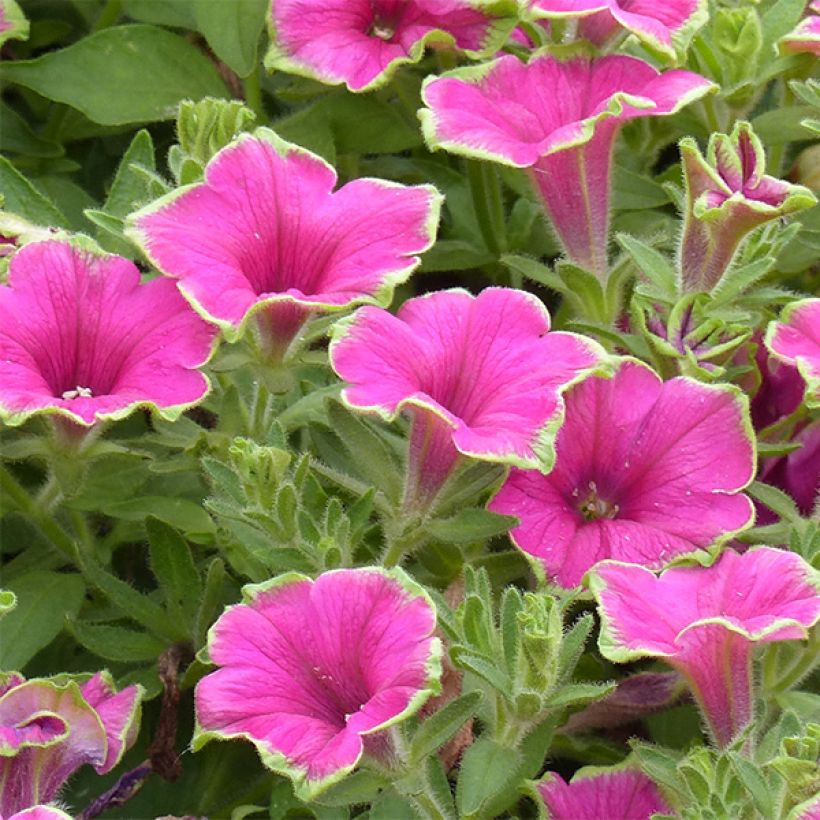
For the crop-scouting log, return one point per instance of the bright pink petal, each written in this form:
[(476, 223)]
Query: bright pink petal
[(596, 793), (640, 475), (41, 813), (79, 335), (805, 37), (265, 226), (362, 42), (796, 340), (309, 667)]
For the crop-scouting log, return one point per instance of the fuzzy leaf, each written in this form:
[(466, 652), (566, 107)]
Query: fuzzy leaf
[(437, 729), (174, 568), (487, 769)]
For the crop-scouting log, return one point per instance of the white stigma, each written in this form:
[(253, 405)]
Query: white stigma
[(78, 393)]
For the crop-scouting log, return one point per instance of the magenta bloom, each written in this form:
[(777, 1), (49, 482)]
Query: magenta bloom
[(728, 195), (480, 376), (646, 471), (795, 339), (597, 792), (266, 234), (40, 813), (311, 669), (362, 42), (654, 23), (704, 621), (82, 338), (806, 37), (49, 728), (499, 111)]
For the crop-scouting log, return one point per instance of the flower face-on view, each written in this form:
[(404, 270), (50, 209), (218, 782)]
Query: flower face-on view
[(50, 728), (362, 42), (266, 234), (651, 22), (82, 338), (728, 195), (481, 375), (646, 471), (795, 339), (311, 669), (500, 111), (704, 621), (597, 792)]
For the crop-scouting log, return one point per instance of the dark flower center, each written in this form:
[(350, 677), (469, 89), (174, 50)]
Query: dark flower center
[(594, 507)]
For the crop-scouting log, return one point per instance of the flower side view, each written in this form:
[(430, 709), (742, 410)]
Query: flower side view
[(361, 43), (705, 621), (480, 375), (806, 36), (596, 792), (655, 24), (727, 196), (49, 728), (500, 112), (80, 337), (645, 472), (266, 236), (310, 670), (795, 339)]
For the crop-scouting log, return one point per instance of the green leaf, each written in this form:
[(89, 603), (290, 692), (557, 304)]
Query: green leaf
[(130, 189), (162, 12), (181, 513), (579, 693), (755, 784), (487, 769), (70, 198), (535, 271), (43, 601), (776, 500), (125, 74), (658, 764), (481, 666), (360, 787), (437, 729), (737, 280), (650, 262), (232, 30), (632, 192), (22, 198), (211, 603), (779, 20), (114, 643), (391, 806), (174, 569), (17, 137), (474, 524), (784, 124)]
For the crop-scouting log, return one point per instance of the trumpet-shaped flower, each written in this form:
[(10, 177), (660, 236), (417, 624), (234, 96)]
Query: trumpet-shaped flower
[(501, 111), (704, 622), (362, 42), (480, 375), (266, 234), (82, 338), (655, 24), (796, 339), (310, 670), (597, 792), (728, 195), (49, 728), (646, 471), (806, 36)]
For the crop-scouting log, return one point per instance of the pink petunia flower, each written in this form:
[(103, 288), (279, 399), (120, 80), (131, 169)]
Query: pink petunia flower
[(40, 813), (728, 195), (646, 471), (795, 339), (310, 670), (266, 236), (80, 337), (654, 23), (362, 42), (597, 792), (49, 728), (480, 376), (704, 622), (501, 111), (806, 36)]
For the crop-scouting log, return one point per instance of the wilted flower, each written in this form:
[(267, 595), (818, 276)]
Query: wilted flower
[(310, 670), (704, 622), (646, 471), (795, 339), (49, 728), (481, 376), (266, 236), (727, 196), (559, 119), (83, 339), (362, 42)]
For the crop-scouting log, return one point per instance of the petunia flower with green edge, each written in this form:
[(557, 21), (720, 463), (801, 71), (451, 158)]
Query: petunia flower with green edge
[(361, 43), (805, 38), (312, 671), (50, 727), (705, 622), (795, 339), (727, 196), (265, 237), (40, 813), (559, 119)]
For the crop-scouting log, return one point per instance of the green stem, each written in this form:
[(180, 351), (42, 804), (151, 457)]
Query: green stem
[(489, 206), (252, 89), (259, 413), (398, 547), (49, 495), (81, 528)]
